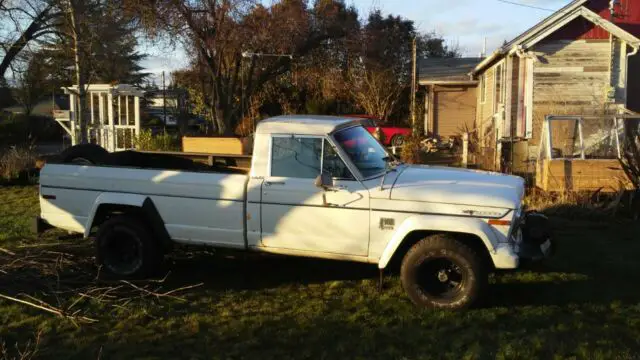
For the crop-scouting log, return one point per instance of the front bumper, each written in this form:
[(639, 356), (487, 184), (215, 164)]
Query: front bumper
[(530, 241), (534, 240)]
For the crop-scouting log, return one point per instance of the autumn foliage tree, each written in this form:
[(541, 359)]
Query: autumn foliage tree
[(242, 45), (289, 56), (384, 73)]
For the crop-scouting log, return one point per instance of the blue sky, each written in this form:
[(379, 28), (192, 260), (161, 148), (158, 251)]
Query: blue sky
[(464, 23)]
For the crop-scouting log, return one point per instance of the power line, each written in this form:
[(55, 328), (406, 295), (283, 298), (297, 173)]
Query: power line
[(525, 5)]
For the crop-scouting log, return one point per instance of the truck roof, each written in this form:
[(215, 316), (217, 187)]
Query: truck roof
[(305, 124)]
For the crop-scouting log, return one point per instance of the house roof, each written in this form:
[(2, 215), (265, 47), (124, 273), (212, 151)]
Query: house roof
[(550, 25), (446, 70), (116, 89)]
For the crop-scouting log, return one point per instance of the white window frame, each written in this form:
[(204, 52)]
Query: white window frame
[(499, 67)]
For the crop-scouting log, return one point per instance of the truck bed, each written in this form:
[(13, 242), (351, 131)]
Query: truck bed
[(196, 162), (196, 203)]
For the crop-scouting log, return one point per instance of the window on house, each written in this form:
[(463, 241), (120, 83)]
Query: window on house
[(95, 108), (483, 89), (499, 85)]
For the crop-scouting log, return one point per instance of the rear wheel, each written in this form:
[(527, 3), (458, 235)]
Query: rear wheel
[(126, 248), (441, 272)]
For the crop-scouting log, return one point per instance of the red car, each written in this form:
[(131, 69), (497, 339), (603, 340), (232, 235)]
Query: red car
[(391, 135)]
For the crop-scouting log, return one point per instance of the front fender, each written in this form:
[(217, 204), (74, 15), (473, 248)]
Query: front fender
[(112, 199), (454, 224)]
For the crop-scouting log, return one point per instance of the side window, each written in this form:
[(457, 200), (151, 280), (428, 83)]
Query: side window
[(296, 157), (333, 164), (483, 89)]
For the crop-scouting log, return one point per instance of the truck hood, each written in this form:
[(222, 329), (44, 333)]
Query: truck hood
[(457, 186)]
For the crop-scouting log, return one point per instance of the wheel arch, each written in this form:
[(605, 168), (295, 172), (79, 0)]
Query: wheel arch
[(473, 232), (109, 204)]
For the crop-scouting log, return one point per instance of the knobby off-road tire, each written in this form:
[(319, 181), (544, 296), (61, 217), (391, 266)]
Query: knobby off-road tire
[(441, 272), (125, 247)]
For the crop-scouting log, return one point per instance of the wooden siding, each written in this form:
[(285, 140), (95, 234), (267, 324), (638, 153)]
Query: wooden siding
[(484, 112), (627, 13), (581, 175), (454, 109), (571, 73), (485, 125), (569, 76), (580, 29), (627, 17)]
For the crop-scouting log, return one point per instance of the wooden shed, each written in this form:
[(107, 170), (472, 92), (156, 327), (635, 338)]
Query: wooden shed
[(450, 99)]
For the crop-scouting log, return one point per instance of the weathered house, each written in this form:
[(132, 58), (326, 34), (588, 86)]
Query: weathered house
[(582, 60), (450, 97)]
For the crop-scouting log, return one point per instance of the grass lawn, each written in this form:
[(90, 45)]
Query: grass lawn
[(584, 303)]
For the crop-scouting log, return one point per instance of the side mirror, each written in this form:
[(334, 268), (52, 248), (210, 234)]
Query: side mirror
[(324, 181)]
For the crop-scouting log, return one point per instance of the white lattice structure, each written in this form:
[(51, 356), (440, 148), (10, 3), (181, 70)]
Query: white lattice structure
[(113, 119)]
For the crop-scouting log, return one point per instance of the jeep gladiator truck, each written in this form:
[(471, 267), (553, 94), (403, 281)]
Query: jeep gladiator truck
[(319, 187)]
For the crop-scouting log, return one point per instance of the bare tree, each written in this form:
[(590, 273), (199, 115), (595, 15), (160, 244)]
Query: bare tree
[(24, 21), (377, 91)]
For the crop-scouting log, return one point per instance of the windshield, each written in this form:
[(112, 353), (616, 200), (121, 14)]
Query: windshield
[(364, 150)]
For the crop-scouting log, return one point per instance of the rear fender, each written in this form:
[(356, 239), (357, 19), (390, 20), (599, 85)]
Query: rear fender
[(112, 199), (438, 223)]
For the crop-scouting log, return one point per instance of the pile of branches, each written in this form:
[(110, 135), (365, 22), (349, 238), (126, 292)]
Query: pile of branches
[(65, 283)]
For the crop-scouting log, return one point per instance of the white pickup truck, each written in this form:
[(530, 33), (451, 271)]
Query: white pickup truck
[(318, 187)]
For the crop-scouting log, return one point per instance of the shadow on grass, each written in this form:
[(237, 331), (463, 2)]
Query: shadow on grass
[(271, 307), (240, 271), (597, 269)]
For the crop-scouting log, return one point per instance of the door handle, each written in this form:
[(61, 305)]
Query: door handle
[(270, 183)]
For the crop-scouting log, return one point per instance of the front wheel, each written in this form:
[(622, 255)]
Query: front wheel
[(443, 273)]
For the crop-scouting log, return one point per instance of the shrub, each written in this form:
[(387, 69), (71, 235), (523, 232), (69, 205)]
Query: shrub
[(164, 141), (22, 129), (584, 205), (411, 152), (17, 163)]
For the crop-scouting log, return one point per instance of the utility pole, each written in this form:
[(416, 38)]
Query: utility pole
[(413, 86), (164, 103)]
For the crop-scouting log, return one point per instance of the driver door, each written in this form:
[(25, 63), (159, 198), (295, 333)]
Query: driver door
[(297, 215)]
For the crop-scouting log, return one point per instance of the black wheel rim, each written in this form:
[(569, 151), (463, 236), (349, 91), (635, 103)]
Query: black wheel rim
[(441, 278), (398, 140), (123, 251)]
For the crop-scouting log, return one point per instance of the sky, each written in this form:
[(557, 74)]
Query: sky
[(463, 23)]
